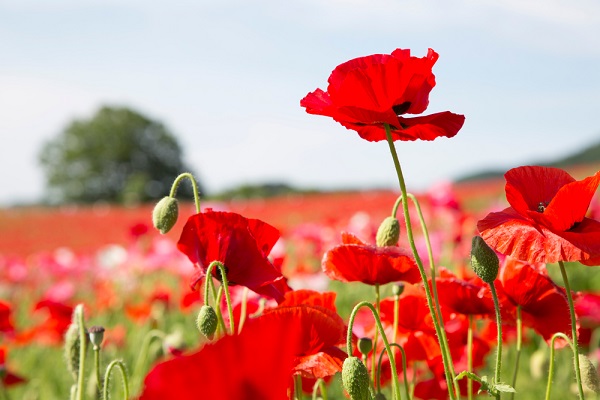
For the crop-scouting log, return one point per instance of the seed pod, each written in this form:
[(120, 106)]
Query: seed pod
[(207, 321), (96, 334), (365, 345), (165, 213), (355, 378), (388, 233), (484, 260)]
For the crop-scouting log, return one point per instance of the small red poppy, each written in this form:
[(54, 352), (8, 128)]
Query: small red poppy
[(367, 92), (241, 244), (8, 378), (355, 261), (6, 324), (546, 219)]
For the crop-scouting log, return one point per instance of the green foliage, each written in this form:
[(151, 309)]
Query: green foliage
[(260, 191), (118, 155)]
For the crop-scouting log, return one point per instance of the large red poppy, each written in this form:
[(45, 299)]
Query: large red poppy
[(546, 219), (256, 364), (355, 261), (367, 92), (241, 244)]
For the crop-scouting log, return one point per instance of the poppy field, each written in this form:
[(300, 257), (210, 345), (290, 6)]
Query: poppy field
[(462, 291)]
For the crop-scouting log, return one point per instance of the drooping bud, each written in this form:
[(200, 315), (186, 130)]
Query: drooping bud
[(365, 345), (398, 289), (96, 334), (484, 260), (165, 213), (355, 378), (589, 375), (207, 321), (388, 233)]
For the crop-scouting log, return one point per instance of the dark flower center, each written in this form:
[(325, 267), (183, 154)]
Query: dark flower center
[(400, 109), (220, 278), (542, 206)]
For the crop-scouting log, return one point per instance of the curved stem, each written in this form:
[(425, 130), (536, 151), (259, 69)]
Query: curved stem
[(519, 344), (551, 366), (194, 187), (499, 345), (82, 349), (395, 385), (225, 287), (124, 378), (319, 386), (138, 372), (446, 357), (403, 369), (470, 357), (375, 337), (244, 310), (563, 272)]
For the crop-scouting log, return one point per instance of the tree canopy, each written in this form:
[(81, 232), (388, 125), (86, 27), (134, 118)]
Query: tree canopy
[(118, 155)]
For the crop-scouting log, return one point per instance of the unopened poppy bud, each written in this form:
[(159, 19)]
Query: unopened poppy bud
[(398, 289), (72, 345), (207, 321), (96, 334), (589, 375), (365, 345), (484, 260), (388, 233), (355, 378), (165, 213)]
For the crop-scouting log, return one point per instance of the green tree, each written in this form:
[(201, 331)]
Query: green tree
[(118, 155)]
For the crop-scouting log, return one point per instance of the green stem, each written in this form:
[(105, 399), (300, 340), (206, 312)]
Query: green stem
[(551, 366), (319, 387), (499, 334), (375, 337), (138, 371), (470, 357), (82, 350), (297, 387), (217, 301), (519, 344), (124, 378), (396, 317), (194, 187), (406, 384), (244, 310), (395, 385), (4, 391), (225, 287), (446, 357), (563, 272), (97, 366)]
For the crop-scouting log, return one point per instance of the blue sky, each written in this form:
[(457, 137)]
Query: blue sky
[(227, 77)]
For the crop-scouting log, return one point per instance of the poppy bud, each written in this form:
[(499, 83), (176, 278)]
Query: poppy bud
[(484, 260), (207, 321), (96, 334), (355, 378), (398, 289), (165, 213), (589, 375), (72, 345), (365, 345), (388, 233)]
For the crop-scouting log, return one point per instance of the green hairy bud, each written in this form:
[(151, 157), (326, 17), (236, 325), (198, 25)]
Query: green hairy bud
[(589, 375), (355, 379), (388, 233), (165, 213), (484, 260), (365, 345), (207, 321)]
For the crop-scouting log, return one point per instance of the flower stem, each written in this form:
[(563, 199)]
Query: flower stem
[(446, 357), (194, 187), (225, 286), (563, 272), (499, 334), (124, 378), (470, 357), (138, 372), (395, 385), (244, 310), (519, 344), (82, 349), (406, 384), (297, 387), (551, 366), (319, 386), (97, 367), (375, 337)]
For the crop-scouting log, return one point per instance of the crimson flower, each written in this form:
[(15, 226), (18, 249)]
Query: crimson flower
[(7, 377), (241, 244), (546, 219), (53, 328), (367, 92), (256, 364), (543, 304), (355, 261), (6, 325), (466, 297)]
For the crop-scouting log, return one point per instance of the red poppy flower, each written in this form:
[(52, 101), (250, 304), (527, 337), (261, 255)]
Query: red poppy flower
[(367, 92), (6, 324), (256, 364), (355, 261), (8, 378), (546, 219), (241, 244), (543, 304), (463, 297), (55, 325)]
